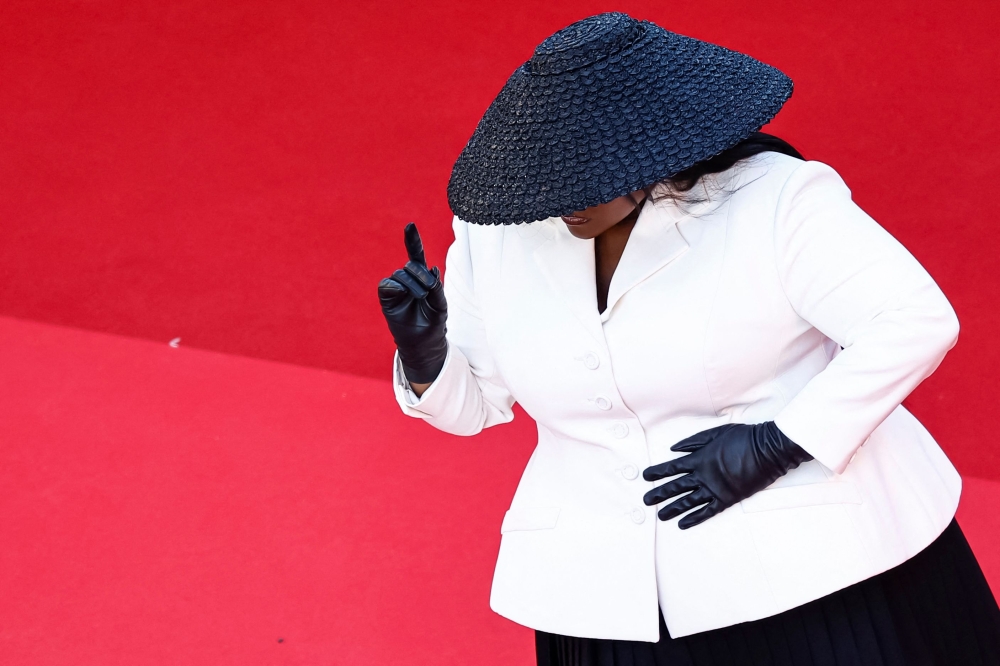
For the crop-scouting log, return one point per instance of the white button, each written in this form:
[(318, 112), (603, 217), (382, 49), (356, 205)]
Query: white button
[(630, 472), (591, 361), (603, 402), (638, 516), (620, 429)]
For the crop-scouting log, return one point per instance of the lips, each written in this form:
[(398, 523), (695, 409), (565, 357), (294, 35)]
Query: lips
[(572, 219)]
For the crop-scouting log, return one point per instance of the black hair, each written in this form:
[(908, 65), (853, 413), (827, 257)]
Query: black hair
[(683, 181)]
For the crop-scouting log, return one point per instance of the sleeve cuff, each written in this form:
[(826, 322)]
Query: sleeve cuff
[(833, 452), (404, 392)]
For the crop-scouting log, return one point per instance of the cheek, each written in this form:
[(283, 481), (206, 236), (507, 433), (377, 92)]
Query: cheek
[(612, 216), (613, 212)]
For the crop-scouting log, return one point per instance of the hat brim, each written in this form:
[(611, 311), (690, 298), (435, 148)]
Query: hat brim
[(554, 144)]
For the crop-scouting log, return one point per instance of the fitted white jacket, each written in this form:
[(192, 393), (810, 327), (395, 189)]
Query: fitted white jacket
[(731, 312)]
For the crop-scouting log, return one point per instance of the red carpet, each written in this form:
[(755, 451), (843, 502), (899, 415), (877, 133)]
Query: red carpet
[(173, 506), (238, 174), (212, 509)]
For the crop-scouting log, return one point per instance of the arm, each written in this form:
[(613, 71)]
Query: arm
[(845, 275), (468, 394), (419, 388), (848, 277)]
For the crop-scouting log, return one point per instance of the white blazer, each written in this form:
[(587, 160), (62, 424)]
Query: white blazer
[(727, 313)]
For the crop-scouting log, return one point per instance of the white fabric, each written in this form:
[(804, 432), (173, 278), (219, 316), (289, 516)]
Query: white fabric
[(734, 314), (409, 396)]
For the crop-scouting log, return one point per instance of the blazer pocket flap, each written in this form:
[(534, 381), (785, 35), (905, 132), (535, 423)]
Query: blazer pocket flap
[(529, 518), (810, 494)]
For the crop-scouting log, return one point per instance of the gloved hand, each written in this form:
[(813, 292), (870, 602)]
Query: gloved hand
[(415, 308), (724, 465)]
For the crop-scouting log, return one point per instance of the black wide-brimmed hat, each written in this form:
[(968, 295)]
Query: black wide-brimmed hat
[(604, 107)]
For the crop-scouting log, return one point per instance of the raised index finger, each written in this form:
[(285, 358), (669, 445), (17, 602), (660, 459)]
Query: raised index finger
[(414, 247)]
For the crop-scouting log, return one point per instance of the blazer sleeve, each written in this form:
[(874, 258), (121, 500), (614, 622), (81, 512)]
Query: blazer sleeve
[(849, 278), (468, 394)]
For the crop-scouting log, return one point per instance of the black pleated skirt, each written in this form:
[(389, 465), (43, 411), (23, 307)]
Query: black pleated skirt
[(935, 609)]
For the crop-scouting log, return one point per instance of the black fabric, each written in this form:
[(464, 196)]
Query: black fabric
[(605, 107), (935, 609)]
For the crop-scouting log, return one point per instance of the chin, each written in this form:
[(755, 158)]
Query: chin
[(579, 232)]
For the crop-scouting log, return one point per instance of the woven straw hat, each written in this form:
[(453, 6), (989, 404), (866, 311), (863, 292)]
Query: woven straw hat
[(604, 107)]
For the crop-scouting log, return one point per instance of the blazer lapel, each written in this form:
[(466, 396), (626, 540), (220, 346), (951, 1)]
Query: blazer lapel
[(567, 263), (655, 241)]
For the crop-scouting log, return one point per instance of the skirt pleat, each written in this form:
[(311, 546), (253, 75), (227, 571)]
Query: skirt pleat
[(935, 609)]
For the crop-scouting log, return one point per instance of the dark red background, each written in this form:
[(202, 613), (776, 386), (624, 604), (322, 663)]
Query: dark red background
[(238, 174)]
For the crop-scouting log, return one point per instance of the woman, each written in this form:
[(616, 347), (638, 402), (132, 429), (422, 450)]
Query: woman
[(714, 341)]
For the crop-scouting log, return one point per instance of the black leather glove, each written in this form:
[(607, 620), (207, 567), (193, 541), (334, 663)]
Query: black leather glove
[(415, 308), (724, 465)]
